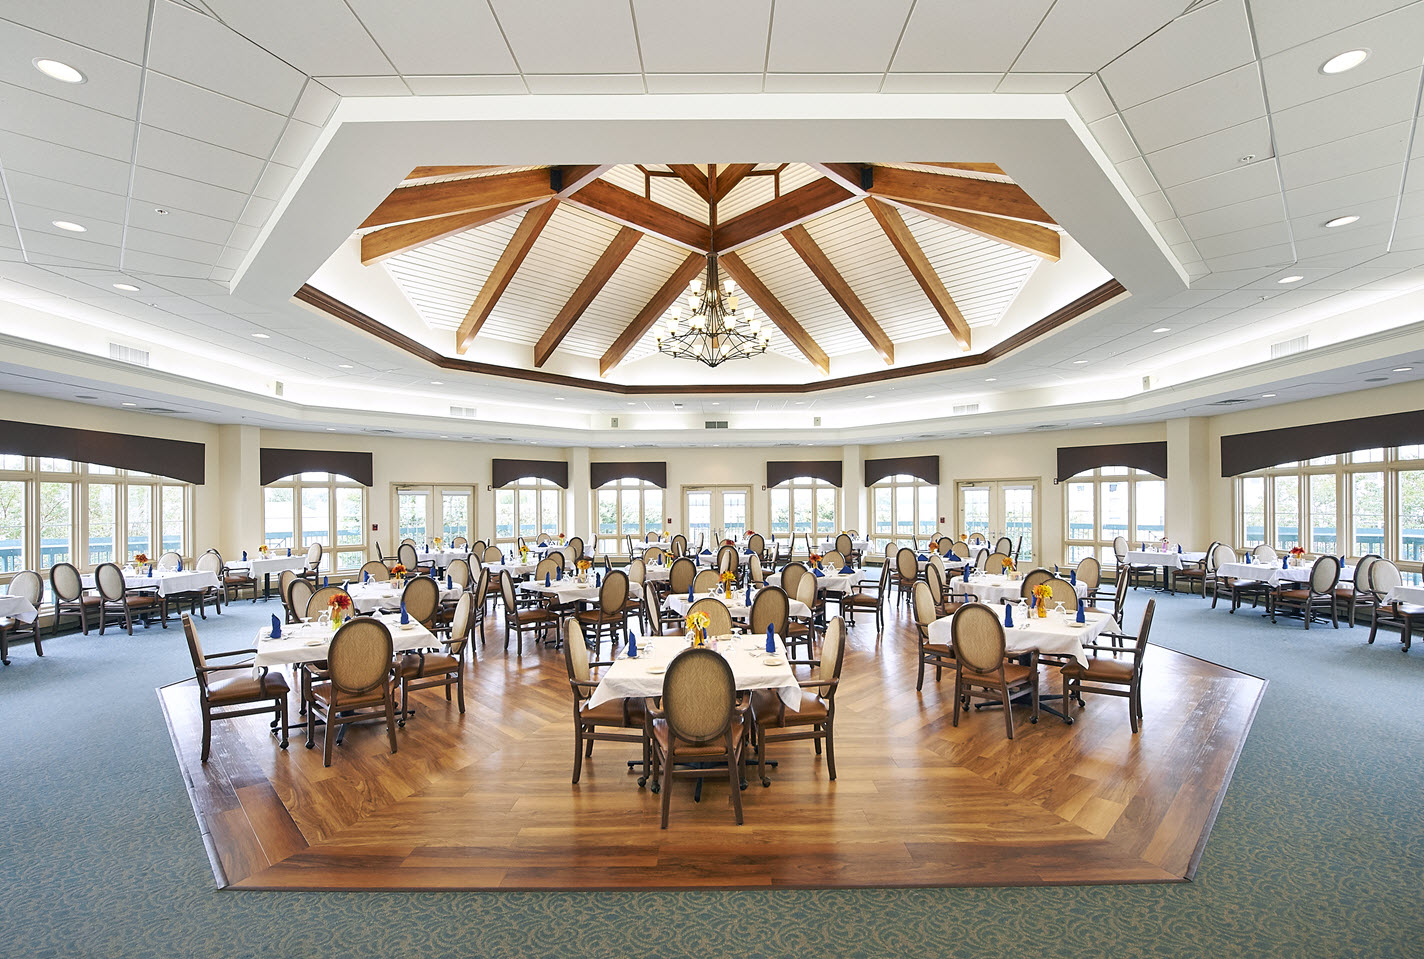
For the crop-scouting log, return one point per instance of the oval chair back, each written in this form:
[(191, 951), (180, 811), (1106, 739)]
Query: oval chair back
[(359, 658), (459, 573), (493, 554), (318, 602), (791, 577), (314, 557), (459, 542), (907, 564), (699, 696), (935, 579), (1384, 576), (981, 558), (542, 540), (1120, 549), (613, 594), (844, 544), (959, 548), (1004, 545), (478, 547), (408, 541), (408, 557), (925, 611), (637, 571), (834, 559), (832, 656), (978, 638), (679, 545), (655, 613), (376, 569), (1264, 554), (654, 554), (481, 590), (299, 594), (1223, 554), (1089, 572), (995, 562), (576, 653), (169, 560), (1325, 574), (421, 597), (705, 581), (65, 582), (681, 574), (110, 581), (771, 607), (460, 622), (1063, 592), (506, 592), (27, 583), (756, 543), (754, 570), (548, 566), (1362, 571), (719, 621), (1034, 578), (210, 562), (728, 559)]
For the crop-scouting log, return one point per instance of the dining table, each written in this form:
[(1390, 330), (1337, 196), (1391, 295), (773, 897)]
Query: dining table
[(386, 594), (998, 588), (17, 607), (515, 569), (737, 605), (1272, 574), (834, 581), (641, 677), (1163, 562), (569, 590), (1399, 594), (266, 566), (861, 546), (167, 582), (309, 642)]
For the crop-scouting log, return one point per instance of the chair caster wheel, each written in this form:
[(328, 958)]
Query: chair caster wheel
[(400, 723), (310, 745), (766, 784), (1033, 719), (1068, 721), (642, 781), (283, 744), (656, 787)]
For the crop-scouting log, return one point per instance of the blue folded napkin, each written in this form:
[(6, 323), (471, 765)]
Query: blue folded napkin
[(276, 628), (546, 579), (244, 556), (405, 617), (150, 569), (749, 595), (1142, 547), (706, 552), (694, 560), (1032, 601), (847, 569), (632, 644), (598, 579), (326, 581), (1073, 577), (558, 572), (924, 558), (968, 568), (818, 573), (365, 576), (289, 551), (747, 552), (180, 564), (1081, 617), (770, 638), (1008, 615), (1285, 564), (1055, 569), (689, 594), (1248, 559), (1179, 547), (449, 581)]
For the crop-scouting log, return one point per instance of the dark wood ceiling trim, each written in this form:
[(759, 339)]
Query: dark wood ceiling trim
[(900, 237), (820, 264), (659, 304), (753, 287), (803, 203), (730, 175), (381, 244), (1089, 301), (503, 273), (694, 177), (629, 209), (425, 201)]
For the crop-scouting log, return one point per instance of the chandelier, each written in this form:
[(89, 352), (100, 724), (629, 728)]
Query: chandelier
[(717, 328)]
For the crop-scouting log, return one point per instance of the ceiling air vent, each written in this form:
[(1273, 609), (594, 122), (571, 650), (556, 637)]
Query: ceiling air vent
[(128, 354), (464, 412), (1147, 382), (613, 422), (963, 408), (1297, 344), (1232, 402), (816, 421), (714, 424), (157, 409)]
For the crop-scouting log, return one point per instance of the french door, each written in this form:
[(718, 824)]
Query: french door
[(1001, 508), (425, 512), (716, 512)]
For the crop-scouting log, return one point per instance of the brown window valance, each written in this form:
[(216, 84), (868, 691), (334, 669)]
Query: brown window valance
[(1151, 457), (601, 474), (276, 464), (1244, 452), (920, 467), (779, 471), (507, 471), (178, 459)]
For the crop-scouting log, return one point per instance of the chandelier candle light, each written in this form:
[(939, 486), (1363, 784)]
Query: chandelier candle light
[(717, 327)]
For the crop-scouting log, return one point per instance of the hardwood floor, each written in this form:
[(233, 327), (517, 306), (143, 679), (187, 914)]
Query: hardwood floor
[(484, 800)]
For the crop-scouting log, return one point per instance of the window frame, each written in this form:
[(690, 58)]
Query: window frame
[(894, 484), (543, 490), (1099, 544), (814, 486), (622, 490), (332, 552)]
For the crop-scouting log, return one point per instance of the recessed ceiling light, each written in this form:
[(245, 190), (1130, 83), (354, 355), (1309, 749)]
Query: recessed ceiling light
[(990, 379), (1266, 396), (126, 287), (260, 336), (1402, 369), (1340, 221), (127, 403), (1097, 422), (70, 226), (56, 70), (871, 396), (344, 366), (1163, 329), (437, 382), (331, 429), (1348, 60), (1290, 279), (716, 403), (1079, 362), (160, 211), (988, 432), (559, 398)]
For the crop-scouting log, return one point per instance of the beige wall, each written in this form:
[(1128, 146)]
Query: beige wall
[(227, 509)]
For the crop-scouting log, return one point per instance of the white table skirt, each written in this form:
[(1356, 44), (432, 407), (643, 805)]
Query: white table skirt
[(1051, 634), (833, 582), (736, 605), (168, 583), (258, 566), (370, 597), (568, 590), (1405, 594), (1172, 560), (630, 678), (17, 607), (441, 557), (996, 588), (309, 642), (1272, 575), (856, 545)]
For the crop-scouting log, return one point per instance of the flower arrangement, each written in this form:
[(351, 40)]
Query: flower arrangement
[(561, 539), (1297, 554), (584, 565), (1009, 565), (340, 607), (264, 549), (438, 541), (524, 554), (729, 542), (140, 558), (398, 570), (728, 578), (697, 624), (815, 559), (1043, 594)]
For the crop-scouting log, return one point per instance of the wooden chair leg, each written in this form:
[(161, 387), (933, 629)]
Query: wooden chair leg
[(1008, 714), (390, 718), (578, 749), (734, 776)]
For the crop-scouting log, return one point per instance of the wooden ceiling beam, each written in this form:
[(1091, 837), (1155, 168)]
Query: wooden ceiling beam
[(802, 204), (730, 175), (993, 168), (957, 193), (603, 270), (629, 209), (694, 177), (571, 179), (840, 290), (498, 280), (778, 314), (426, 201), (381, 244), (661, 301), (1029, 237), (909, 249), (425, 172)]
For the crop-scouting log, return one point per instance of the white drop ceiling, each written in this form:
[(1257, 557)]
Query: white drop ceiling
[(1211, 122)]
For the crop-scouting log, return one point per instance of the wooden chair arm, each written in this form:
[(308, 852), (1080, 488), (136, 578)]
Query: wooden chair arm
[(230, 666), (577, 683), (817, 683), (231, 652)]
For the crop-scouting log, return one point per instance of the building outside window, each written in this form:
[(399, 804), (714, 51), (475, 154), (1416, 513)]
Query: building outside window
[(325, 508), (627, 507), (1111, 501), (527, 507), (903, 506), (805, 505)]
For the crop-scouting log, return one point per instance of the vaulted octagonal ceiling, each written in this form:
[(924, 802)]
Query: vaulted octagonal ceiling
[(840, 260)]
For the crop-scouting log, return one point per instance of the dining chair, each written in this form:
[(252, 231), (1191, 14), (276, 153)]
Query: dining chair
[(1257, 589), (1119, 607), (653, 613), (299, 592), (427, 669), (1384, 577), (459, 542), (700, 725), (617, 721), (408, 541), (1317, 594), (611, 612), (26, 583), (719, 618), (520, 620), (755, 574), (1034, 577), (313, 561), (458, 572), (791, 575), (1063, 592), (814, 716), (320, 601), (679, 545), (493, 555), (1221, 585), (981, 558), (356, 684), (284, 589), (959, 548), (1004, 545), (1358, 591), (410, 559), (1192, 573), (980, 668), (1265, 554), (119, 600), (378, 571), (706, 580), (995, 562), (833, 559), (867, 595), (239, 694), (907, 572), (171, 559), (844, 544), (67, 588), (478, 548), (729, 560), (770, 607), (757, 544), (938, 655), (1090, 573), (421, 598), (576, 548), (480, 593), (1111, 677), (212, 562)]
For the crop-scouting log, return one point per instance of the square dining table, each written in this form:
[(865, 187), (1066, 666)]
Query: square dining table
[(737, 605), (265, 567), (752, 668), (386, 594), (309, 642), (167, 581)]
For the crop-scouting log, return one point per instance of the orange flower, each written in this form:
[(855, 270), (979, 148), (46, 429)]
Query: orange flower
[(340, 601)]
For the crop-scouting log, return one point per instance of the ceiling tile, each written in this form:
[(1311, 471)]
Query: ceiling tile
[(1214, 104), (1138, 177), (470, 86), (585, 83), (197, 160), (437, 36), (1237, 185), (137, 240), (1211, 154), (296, 143), (318, 37), (1258, 212), (67, 123), (1285, 23), (115, 27), (179, 223), (30, 155), (84, 252), (731, 41), (966, 37), (1293, 76), (1113, 137), (1345, 192), (274, 181), (1085, 35), (941, 83), (836, 36), (822, 82), (111, 84), (166, 190), (1040, 82), (1369, 106), (315, 104), (704, 82), (1091, 100), (72, 201), (1347, 155), (182, 108), (1208, 41), (204, 52), (376, 86), (590, 37)]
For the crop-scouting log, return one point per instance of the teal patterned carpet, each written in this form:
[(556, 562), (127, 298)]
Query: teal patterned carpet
[(1318, 849)]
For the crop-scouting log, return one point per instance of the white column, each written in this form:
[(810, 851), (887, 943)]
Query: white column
[(853, 489), (579, 510), (239, 485), (1188, 482)]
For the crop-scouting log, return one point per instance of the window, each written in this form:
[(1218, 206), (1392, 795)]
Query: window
[(627, 507), (1364, 501), (903, 506), (58, 511), (325, 508), (527, 507), (1103, 504), (805, 504)]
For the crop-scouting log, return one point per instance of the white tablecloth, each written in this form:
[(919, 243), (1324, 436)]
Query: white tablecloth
[(1166, 560), (654, 573), (168, 583), (1052, 634), (372, 596), (997, 588), (441, 557), (568, 590), (17, 607), (1274, 574), (1400, 594), (858, 545), (631, 678), (258, 566), (736, 605), (833, 582), (515, 569), (309, 642)]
